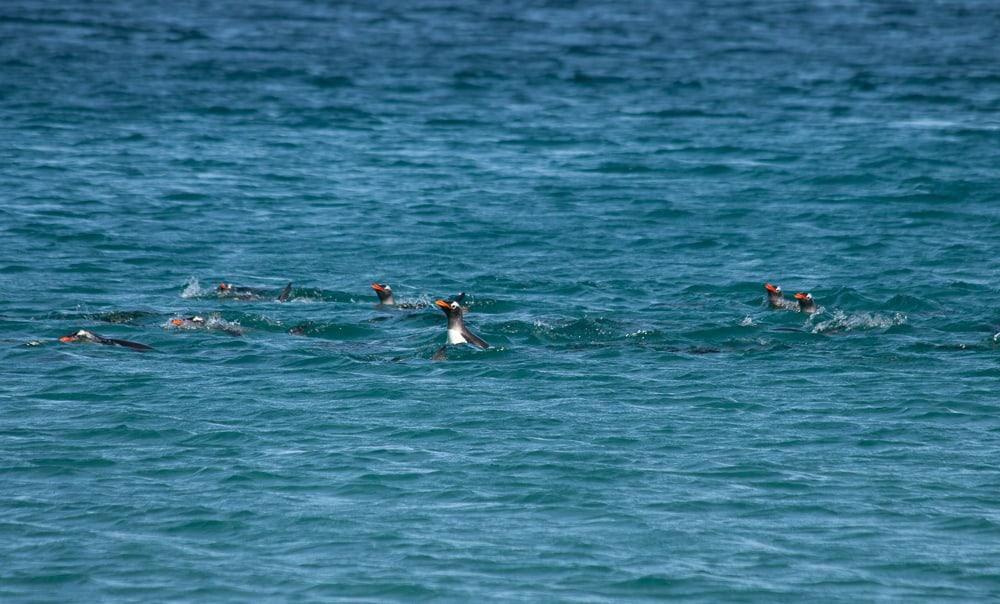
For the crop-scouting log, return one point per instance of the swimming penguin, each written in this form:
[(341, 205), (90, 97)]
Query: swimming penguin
[(385, 298), (458, 333), (384, 293), (228, 290), (774, 296), (806, 302), (199, 322), (194, 321), (88, 336)]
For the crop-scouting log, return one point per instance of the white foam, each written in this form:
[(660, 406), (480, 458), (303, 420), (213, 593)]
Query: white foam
[(192, 289), (841, 321)]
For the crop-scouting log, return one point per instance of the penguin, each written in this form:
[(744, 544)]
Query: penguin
[(806, 302), (190, 322), (88, 336), (775, 298), (458, 333), (228, 290), (384, 293), (199, 322), (385, 298)]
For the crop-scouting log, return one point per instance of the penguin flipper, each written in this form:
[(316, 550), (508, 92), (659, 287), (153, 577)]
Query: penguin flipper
[(473, 339), (441, 354), (127, 344), (283, 296)]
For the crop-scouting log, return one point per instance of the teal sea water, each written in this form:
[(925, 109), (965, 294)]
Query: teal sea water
[(611, 183)]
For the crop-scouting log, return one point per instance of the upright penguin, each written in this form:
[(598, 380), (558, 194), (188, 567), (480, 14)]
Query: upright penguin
[(775, 298), (458, 333), (806, 302), (384, 293)]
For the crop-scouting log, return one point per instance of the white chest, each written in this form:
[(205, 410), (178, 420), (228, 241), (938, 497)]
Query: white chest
[(455, 337)]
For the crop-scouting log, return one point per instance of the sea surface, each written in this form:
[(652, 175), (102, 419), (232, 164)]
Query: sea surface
[(611, 184)]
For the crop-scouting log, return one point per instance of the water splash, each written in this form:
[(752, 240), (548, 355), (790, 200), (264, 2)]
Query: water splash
[(192, 289), (841, 321)]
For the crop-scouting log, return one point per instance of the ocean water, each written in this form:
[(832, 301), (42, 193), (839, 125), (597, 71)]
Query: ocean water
[(611, 183)]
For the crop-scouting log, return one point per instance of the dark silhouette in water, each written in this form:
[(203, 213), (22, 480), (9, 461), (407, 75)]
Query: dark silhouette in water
[(228, 290)]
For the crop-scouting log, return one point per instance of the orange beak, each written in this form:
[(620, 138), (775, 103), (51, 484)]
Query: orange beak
[(801, 296), (223, 287), (377, 287), (67, 339), (177, 322), (442, 305), (770, 288)]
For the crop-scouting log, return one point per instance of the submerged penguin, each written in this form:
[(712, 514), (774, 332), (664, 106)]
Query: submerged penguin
[(806, 302), (458, 333), (88, 336), (775, 297), (228, 290), (195, 321)]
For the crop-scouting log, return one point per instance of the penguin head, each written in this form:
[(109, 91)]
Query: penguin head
[(224, 287), (83, 334), (805, 301), (451, 309), (195, 319), (384, 293), (774, 290)]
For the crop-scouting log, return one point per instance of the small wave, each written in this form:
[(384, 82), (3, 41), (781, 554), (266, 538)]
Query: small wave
[(747, 321), (643, 334), (121, 316), (841, 321)]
